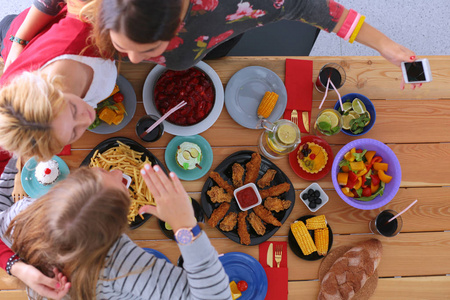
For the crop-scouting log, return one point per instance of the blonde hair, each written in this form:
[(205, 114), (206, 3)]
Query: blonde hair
[(28, 105), (72, 228)]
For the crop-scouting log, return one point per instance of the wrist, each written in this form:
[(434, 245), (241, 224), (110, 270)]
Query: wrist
[(10, 265)]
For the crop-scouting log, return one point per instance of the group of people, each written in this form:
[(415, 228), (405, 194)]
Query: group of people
[(59, 64)]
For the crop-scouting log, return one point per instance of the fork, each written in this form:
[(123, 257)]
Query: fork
[(18, 191), (278, 254), (294, 117)]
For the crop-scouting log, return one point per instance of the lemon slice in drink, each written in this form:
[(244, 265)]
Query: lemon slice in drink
[(334, 121), (286, 134), (346, 120), (358, 106)]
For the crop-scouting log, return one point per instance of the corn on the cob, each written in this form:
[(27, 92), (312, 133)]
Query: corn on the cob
[(321, 240), (267, 104), (303, 238), (316, 222)]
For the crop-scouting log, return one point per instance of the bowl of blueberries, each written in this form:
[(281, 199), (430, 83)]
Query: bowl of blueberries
[(314, 197)]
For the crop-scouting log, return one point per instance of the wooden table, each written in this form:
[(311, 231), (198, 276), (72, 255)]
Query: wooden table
[(412, 123)]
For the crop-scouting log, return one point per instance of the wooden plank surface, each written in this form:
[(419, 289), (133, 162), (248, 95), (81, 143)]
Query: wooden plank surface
[(412, 123)]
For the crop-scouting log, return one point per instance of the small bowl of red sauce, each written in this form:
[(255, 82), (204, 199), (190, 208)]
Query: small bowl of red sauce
[(126, 180), (247, 196)]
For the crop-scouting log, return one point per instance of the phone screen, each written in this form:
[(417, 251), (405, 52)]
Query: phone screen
[(415, 71)]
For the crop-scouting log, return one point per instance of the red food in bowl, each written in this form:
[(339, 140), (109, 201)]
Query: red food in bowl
[(191, 85)]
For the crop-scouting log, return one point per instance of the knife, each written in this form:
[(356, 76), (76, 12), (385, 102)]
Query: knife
[(305, 118), (270, 255)]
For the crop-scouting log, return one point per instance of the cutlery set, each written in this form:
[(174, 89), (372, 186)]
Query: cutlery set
[(278, 254)]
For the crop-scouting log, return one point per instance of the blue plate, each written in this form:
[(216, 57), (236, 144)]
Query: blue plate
[(244, 93), (240, 266), (156, 253), (29, 182), (193, 174)]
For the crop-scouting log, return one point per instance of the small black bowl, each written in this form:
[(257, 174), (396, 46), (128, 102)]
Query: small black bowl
[(144, 123)]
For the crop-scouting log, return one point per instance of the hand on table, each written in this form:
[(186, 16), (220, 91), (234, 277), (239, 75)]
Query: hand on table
[(172, 202), (55, 288)]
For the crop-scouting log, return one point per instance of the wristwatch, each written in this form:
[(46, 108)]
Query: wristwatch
[(185, 236)]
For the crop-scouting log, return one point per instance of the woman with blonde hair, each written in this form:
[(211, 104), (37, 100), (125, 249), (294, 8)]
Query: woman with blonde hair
[(79, 227), (49, 92)]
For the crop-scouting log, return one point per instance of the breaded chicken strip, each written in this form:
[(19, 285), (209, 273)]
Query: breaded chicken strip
[(229, 222), (218, 214), (218, 195), (256, 223), (237, 175), (276, 204), (275, 190), (222, 182), (266, 215), (267, 178), (252, 168), (242, 228)]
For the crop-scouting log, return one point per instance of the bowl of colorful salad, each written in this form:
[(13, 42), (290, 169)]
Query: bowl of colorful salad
[(366, 174), (358, 114)]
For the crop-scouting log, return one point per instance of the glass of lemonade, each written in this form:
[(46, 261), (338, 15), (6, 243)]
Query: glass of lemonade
[(328, 122), (279, 138)]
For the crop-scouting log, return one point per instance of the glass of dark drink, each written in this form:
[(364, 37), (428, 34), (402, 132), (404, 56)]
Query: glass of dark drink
[(333, 71), (381, 226), (144, 123)]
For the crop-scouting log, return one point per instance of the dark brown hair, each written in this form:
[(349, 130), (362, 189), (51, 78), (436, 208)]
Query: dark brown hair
[(142, 21)]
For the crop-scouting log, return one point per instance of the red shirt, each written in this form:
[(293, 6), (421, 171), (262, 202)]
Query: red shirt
[(63, 35)]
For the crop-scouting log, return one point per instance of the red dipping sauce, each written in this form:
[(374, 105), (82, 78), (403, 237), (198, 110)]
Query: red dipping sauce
[(247, 197)]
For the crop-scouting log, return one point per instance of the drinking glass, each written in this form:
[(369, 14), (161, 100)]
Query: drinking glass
[(328, 122), (380, 226), (335, 72), (144, 123), (279, 138)]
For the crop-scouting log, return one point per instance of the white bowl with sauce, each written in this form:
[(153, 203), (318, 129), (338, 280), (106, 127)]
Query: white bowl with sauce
[(247, 196)]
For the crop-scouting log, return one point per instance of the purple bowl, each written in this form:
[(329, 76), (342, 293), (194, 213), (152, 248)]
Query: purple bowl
[(394, 170)]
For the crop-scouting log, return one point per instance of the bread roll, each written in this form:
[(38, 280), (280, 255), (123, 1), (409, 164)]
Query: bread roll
[(351, 271)]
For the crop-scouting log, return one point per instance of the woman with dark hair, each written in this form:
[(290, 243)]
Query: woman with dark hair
[(179, 33)]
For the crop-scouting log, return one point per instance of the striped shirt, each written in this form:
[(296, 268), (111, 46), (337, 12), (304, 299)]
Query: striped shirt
[(203, 276)]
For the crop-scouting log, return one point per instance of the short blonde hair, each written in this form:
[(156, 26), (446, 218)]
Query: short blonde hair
[(28, 105), (72, 227)]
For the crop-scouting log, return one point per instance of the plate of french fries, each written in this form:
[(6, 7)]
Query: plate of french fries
[(310, 237), (128, 156)]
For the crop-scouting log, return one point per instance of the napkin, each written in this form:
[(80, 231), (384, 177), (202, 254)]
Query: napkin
[(299, 87), (277, 277), (5, 156), (65, 151)]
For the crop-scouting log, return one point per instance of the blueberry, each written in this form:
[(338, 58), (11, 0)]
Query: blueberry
[(305, 196), (318, 201), (310, 192), (312, 205), (317, 193)]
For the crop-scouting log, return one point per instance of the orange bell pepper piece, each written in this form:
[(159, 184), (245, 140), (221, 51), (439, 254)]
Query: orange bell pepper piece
[(349, 155), (347, 192), (362, 172), (342, 178), (374, 188), (358, 183), (384, 177), (369, 155), (345, 169), (357, 165), (380, 166)]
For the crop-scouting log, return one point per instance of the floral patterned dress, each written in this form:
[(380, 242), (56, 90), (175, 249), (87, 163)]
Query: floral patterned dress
[(208, 23)]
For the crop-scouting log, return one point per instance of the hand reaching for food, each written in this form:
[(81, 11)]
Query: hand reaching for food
[(172, 202)]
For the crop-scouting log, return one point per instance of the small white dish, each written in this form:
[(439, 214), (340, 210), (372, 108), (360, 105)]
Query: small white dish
[(127, 179), (316, 187), (255, 190)]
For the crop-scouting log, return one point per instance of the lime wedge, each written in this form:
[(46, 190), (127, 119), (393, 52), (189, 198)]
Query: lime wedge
[(347, 106), (346, 120), (358, 106), (286, 134), (334, 121), (168, 227)]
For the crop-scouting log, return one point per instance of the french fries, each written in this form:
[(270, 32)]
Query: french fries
[(129, 162)]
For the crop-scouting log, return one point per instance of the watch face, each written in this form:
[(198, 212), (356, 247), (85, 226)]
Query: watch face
[(184, 236)]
